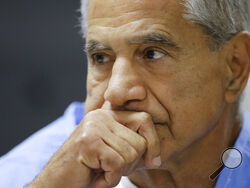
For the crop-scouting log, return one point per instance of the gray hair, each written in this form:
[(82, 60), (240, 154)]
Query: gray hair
[(220, 19), (84, 17)]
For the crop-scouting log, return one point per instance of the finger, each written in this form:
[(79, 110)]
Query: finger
[(142, 123), (89, 148), (112, 164), (97, 129), (108, 125), (101, 182), (131, 137), (104, 180), (121, 146), (104, 159), (152, 156)]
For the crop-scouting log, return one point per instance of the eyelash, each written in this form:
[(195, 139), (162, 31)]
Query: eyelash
[(94, 56), (144, 54), (155, 50)]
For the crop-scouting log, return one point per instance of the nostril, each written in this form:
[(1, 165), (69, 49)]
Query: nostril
[(124, 96), (137, 93), (131, 101)]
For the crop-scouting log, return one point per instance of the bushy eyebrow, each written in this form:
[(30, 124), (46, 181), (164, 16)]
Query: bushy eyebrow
[(151, 38), (94, 45), (155, 38)]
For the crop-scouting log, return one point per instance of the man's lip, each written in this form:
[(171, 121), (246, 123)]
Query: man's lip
[(160, 124)]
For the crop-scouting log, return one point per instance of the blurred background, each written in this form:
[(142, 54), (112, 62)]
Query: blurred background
[(43, 66)]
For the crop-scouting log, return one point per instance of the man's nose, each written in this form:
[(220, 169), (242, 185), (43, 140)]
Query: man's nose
[(125, 84)]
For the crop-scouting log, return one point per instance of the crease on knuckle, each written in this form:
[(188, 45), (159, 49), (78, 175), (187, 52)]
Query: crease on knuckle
[(145, 122), (114, 163), (131, 156), (89, 125), (89, 136)]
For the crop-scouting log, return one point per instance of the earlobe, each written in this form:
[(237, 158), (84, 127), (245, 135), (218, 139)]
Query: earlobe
[(238, 62)]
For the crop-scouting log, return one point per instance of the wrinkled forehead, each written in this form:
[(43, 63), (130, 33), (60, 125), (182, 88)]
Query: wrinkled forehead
[(116, 21), (114, 9)]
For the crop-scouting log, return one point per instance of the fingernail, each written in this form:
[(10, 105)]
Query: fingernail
[(157, 161)]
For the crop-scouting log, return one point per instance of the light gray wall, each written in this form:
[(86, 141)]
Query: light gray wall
[(245, 104)]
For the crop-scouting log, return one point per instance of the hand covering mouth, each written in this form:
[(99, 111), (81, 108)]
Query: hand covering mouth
[(158, 120)]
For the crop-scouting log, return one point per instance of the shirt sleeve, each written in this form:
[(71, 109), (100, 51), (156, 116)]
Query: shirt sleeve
[(24, 162)]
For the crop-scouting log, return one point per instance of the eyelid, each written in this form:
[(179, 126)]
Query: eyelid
[(103, 54), (156, 49), (106, 55), (97, 52)]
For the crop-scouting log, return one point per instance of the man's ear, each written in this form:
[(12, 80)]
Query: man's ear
[(238, 63)]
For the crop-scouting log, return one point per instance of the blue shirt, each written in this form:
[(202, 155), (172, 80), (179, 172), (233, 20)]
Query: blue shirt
[(21, 165)]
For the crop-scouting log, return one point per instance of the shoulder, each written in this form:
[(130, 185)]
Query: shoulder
[(240, 176), (26, 160)]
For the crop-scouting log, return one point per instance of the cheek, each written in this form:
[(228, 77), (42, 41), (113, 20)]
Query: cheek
[(196, 103), (194, 99)]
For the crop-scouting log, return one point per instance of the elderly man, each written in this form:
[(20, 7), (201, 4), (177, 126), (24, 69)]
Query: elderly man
[(164, 82)]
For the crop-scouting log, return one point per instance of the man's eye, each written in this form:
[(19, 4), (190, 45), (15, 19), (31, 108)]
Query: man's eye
[(153, 54), (100, 58)]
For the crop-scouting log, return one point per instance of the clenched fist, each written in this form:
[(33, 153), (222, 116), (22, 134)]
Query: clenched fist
[(105, 146)]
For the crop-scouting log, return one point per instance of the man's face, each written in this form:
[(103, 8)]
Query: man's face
[(144, 56)]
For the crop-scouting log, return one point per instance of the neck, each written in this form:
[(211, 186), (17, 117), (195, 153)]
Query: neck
[(195, 164)]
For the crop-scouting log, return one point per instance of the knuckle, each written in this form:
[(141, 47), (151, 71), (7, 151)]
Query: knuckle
[(88, 145), (89, 124), (131, 156), (143, 129), (89, 134), (112, 162), (89, 128), (145, 117), (119, 163), (85, 140), (82, 141)]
